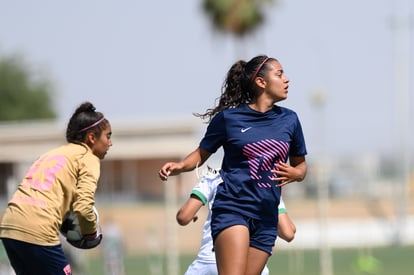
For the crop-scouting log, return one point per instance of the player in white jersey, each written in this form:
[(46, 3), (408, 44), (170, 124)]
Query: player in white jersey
[(203, 193)]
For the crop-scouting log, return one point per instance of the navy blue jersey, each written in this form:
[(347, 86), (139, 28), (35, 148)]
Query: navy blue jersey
[(253, 142)]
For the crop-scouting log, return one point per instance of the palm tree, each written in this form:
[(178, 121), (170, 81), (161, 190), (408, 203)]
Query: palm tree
[(238, 17)]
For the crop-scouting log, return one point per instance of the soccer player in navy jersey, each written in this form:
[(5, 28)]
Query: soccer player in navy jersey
[(264, 149), (203, 194)]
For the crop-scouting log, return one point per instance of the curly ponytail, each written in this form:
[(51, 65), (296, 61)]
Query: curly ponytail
[(238, 87)]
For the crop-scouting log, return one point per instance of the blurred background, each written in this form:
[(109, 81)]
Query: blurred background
[(148, 66)]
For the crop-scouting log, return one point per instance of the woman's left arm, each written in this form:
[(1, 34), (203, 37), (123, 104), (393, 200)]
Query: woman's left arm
[(287, 173)]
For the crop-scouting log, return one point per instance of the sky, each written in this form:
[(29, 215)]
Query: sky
[(145, 59)]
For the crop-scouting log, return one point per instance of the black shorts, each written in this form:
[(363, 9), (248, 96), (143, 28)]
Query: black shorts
[(262, 234), (27, 258)]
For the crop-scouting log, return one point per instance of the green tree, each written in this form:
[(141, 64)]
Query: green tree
[(238, 17), (23, 95)]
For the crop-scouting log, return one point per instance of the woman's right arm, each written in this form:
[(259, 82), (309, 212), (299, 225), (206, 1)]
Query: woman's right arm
[(193, 160), (188, 212)]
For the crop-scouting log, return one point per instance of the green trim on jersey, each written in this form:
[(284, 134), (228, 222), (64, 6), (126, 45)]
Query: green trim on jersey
[(200, 196), (282, 210)]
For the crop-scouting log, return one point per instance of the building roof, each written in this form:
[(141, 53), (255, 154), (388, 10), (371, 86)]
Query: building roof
[(132, 139)]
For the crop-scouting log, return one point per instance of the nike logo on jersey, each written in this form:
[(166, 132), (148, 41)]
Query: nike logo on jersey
[(245, 129)]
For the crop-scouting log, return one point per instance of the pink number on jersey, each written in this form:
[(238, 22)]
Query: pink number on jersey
[(54, 163)]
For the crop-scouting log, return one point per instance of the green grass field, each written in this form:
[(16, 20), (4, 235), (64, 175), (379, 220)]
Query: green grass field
[(394, 260)]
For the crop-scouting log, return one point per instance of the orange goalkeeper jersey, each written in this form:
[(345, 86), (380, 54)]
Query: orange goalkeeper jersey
[(64, 178)]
